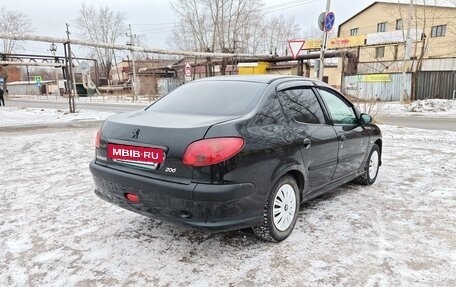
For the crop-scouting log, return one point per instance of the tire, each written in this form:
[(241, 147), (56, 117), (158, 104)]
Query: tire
[(278, 228), (370, 168)]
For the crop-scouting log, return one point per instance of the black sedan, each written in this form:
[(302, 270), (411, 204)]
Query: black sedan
[(232, 152)]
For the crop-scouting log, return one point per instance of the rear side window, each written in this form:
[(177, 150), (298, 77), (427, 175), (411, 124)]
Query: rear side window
[(214, 98), (302, 105)]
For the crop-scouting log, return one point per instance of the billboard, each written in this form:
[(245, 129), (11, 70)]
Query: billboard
[(346, 42), (336, 43)]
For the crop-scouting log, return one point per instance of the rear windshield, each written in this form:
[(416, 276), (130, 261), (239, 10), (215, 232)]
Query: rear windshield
[(214, 98)]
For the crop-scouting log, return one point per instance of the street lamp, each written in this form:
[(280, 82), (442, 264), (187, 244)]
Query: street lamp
[(53, 49)]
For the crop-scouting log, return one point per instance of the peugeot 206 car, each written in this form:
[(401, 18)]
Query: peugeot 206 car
[(232, 152)]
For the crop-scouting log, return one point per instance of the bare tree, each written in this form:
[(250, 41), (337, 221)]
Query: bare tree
[(140, 40), (104, 26), (214, 25), (230, 26), (451, 28), (312, 32), (425, 15), (278, 31), (13, 22)]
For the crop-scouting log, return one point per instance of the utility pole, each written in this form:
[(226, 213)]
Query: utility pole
[(28, 81), (53, 49), (133, 83), (324, 41), (408, 47), (73, 79)]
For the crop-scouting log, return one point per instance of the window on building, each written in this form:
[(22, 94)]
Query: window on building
[(381, 27), (399, 24), (380, 52), (395, 51), (438, 31), (354, 32)]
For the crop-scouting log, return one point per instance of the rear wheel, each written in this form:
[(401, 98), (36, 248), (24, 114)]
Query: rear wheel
[(371, 168), (280, 212)]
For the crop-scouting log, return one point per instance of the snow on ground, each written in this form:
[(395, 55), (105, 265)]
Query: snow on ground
[(12, 116), (421, 108), (55, 232), (121, 98)]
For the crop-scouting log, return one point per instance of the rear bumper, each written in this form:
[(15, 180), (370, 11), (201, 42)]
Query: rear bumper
[(206, 207)]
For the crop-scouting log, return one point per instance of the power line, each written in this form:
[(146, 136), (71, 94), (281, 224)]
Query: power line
[(282, 4), (154, 24), (156, 31), (287, 5)]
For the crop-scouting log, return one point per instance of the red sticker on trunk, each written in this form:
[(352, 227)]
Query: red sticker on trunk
[(135, 153)]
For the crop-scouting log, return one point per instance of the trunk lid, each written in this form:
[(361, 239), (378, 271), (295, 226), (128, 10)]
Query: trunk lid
[(170, 132)]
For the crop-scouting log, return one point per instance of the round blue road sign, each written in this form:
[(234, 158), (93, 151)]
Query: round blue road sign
[(329, 21)]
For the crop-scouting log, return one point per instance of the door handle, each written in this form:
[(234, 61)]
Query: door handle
[(307, 143), (343, 138)]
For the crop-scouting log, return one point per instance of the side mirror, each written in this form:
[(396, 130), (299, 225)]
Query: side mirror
[(365, 119)]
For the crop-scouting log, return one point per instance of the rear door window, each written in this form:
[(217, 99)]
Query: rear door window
[(213, 98), (302, 105)]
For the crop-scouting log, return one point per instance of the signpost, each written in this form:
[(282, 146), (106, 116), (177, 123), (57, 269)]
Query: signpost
[(188, 72), (296, 46), (328, 25)]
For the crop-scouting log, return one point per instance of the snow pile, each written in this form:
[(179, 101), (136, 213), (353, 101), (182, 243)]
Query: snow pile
[(12, 116), (431, 105)]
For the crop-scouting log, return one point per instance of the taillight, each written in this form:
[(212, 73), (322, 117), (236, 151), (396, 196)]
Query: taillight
[(212, 151), (134, 198), (97, 139)]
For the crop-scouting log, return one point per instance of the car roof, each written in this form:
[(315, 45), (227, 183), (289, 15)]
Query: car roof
[(267, 79)]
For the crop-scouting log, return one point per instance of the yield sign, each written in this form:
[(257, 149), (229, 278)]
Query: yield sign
[(296, 46)]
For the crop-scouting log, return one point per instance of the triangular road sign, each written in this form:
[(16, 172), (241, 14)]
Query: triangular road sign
[(296, 46)]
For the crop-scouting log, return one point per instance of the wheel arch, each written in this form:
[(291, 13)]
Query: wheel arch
[(296, 172), (379, 142), (299, 178)]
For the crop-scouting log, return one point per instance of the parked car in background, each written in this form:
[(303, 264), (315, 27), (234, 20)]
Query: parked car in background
[(226, 153)]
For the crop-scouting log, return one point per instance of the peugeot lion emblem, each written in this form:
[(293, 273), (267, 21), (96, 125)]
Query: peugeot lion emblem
[(135, 133)]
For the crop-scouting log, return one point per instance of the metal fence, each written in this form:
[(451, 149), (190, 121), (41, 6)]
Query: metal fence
[(23, 89), (435, 85), (166, 85), (386, 89)]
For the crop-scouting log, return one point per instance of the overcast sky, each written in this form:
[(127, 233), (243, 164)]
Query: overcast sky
[(154, 19)]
